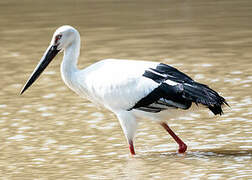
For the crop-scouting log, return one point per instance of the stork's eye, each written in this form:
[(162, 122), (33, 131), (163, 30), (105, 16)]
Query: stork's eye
[(57, 38)]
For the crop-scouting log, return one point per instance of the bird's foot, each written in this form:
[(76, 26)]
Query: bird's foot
[(182, 148)]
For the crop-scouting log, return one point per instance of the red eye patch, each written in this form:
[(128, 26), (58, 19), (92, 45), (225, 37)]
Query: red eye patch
[(57, 38)]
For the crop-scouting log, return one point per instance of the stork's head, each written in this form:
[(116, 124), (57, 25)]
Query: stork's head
[(63, 37)]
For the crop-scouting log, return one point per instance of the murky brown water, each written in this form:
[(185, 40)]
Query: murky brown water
[(51, 133)]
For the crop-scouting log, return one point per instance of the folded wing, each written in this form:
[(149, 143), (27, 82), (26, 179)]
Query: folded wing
[(177, 90)]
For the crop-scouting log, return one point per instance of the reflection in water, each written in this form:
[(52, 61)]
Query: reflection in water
[(51, 133)]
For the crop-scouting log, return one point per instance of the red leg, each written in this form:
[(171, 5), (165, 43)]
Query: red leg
[(131, 147), (182, 145)]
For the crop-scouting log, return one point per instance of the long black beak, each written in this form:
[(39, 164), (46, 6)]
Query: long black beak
[(48, 56)]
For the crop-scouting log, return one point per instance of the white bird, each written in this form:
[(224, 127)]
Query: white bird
[(131, 89)]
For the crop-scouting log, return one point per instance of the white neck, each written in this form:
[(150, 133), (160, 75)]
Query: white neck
[(69, 63)]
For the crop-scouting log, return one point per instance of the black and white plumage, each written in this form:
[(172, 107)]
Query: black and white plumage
[(177, 90), (130, 89)]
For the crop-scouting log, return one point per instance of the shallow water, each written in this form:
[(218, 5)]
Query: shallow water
[(51, 133)]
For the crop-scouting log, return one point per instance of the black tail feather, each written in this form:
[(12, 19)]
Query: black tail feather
[(202, 94), (183, 94), (216, 109)]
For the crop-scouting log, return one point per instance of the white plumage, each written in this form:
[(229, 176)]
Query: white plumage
[(117, 84), (130, 89)]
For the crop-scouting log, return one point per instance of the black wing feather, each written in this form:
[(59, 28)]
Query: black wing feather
[(182, 94)]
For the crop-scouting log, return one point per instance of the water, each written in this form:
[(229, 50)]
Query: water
[(51, 133)]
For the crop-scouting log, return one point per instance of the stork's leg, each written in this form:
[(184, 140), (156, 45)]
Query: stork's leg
[(182, 145), (129, 126), (131, 148)]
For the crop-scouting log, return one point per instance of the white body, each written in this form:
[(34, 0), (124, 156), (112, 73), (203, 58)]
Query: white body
[(116, 85)]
